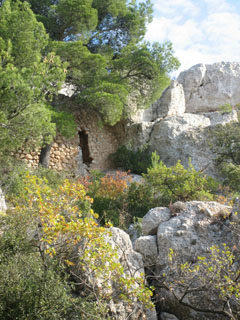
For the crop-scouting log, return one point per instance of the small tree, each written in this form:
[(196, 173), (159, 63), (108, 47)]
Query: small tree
[(60, 229)]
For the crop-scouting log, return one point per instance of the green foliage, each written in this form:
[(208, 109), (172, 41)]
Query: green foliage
[(177, 183), (226, 108), (24, 37), (29, 289), (65, 123), (135, 161), (102, 56), (140, 199), (144, 70), (100, 40), (109, 194), (56, 262), (27, 78), (117, 199), (13, 173), (227, 148), (164, 185), (214, 275)]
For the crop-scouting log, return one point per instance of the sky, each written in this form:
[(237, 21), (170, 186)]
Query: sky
[(201, 31)]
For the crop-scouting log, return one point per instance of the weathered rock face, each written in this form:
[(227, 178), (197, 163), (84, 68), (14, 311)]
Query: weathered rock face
[(171, 103), (191, 229), (191, 232), (153, 218), (147, 246), (187, 136), (133, 266), (3, 206), (207, 87), (177, 135)]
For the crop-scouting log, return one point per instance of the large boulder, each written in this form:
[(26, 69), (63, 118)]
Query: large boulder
[(133, 267), (153, 218), (147, 246), (207, 87), (188, 136), (171, 103), (192, 229), (182, 137)]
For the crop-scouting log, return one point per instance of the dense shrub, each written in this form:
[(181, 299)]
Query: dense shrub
[(109, 193), (14, 171), (164, 185), (137, 161), (39, 238), (227, 149), (171, 184), (118, 200)]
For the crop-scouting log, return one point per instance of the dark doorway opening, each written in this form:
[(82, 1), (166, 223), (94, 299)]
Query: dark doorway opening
[(83, 137)]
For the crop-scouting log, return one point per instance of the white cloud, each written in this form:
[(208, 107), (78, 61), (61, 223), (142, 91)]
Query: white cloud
[(172, 7), (218, 6), (180, 34), (222, 28), (212, 36)]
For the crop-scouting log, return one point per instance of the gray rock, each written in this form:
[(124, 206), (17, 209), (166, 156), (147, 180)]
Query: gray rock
[(151, 314), (207, 87), (153, 218), (133, 266), (134, 232), (221, 118), (191, 232), (188, 136), (3, 206), (147, 246), (195, 228), (167, 316), (171, 103)]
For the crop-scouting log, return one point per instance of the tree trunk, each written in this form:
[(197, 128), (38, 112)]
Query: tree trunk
[(44, 158)]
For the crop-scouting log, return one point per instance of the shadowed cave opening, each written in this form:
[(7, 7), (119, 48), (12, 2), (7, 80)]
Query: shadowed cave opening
[(83, 138)]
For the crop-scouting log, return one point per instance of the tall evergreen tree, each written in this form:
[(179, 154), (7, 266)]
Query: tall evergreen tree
[(107, 60), (28, 78)]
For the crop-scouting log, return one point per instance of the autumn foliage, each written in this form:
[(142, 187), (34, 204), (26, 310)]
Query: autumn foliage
[(62, 233)]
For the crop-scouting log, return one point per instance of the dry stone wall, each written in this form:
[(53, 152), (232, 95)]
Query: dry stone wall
[(91, 146), (102, 140), (64, 154)]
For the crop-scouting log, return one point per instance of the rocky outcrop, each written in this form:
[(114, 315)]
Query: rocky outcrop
[(190, 230), (133, 267), (171, 103), (147, 246), (180, 124), (206, 87), (188, 136), (153, 218), (3, 206)]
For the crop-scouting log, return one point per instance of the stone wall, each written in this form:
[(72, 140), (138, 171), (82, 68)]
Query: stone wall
[(92, 146), (102, 140), (64, 154)]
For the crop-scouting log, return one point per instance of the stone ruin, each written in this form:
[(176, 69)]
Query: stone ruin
[(178, 125), (89, 148)]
